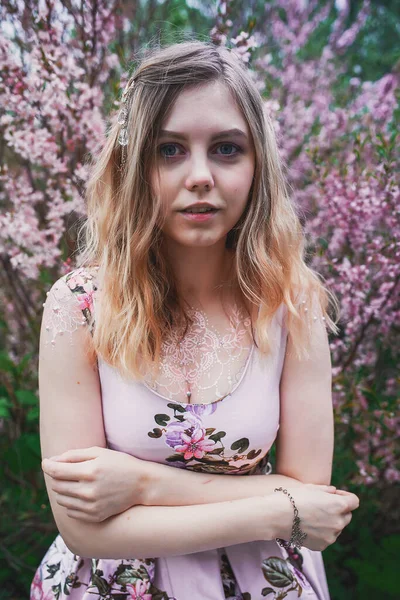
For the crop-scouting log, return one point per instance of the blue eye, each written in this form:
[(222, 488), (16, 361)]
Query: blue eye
[(170, 150), (166, 146), (227, 145)]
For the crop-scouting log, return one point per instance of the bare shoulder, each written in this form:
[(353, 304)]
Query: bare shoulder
[(69, 305)]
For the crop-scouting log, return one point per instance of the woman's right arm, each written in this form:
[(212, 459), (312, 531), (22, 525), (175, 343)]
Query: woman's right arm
[(71, 417)]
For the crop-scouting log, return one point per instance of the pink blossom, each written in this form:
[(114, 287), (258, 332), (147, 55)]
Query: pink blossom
[(138, 590), (195, 445), (85, 301)]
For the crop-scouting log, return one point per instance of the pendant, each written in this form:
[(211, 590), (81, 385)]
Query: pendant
[(122, 117), (123, 137)]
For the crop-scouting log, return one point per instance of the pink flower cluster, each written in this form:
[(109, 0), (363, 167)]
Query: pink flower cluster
[(341, 159), (342, 162)]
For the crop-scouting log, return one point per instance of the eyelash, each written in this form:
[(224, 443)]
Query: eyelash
[(238, 150)]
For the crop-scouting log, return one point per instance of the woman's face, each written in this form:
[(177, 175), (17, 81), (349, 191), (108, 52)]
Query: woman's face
[(205, 154)]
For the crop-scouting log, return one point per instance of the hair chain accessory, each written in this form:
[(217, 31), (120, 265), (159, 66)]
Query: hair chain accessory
[(298, 536), (123, 120)]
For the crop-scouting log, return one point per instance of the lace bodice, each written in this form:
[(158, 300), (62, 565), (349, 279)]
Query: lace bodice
[(207, 363), (204, 367), (201, 368)]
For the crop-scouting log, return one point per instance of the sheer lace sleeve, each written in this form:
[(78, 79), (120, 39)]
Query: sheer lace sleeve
[(69, 306), (309, 308)]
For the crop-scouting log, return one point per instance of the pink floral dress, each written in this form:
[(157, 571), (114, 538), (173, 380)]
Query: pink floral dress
[(230, 434)]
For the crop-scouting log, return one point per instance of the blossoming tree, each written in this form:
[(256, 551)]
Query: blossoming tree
[(61, 70)]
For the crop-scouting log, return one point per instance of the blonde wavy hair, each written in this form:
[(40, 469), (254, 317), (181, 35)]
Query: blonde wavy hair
[(139, 303)]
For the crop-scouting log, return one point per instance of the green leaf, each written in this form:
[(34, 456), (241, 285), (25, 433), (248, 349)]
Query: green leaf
[(24, 454), (26, 398), (6, 364), (156, 433), (23, 363), (253, 454), (323, 243), (162, 420), (177, 407), (240, 445), (217, 436), (378, 570), (175, 458), (276, 572), (101, 584), (128, 575), (5, 404), (32, 414)]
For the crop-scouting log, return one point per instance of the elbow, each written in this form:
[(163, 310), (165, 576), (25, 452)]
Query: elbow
[(70, 541), (83, 543), (72, 546), (89, 540), (77, 538)]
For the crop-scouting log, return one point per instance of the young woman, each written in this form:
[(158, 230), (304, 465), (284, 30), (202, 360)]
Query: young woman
[(191, 337)]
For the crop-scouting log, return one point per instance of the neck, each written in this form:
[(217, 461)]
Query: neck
[(200, 273)]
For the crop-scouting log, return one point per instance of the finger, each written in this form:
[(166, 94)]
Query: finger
[(337, 533), (81, 516), (77, 455), (326, 488), (353, 497), (66, 471), (322, 486), (68, 488), (348, 518), (74, 503), (353, 501)]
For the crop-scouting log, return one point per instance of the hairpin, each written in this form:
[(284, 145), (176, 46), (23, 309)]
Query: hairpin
[(123, 120)]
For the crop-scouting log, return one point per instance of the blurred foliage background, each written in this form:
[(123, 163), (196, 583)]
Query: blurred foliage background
[(362, 564)]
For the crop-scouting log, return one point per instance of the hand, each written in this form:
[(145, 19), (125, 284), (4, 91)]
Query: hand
[(95, 483), (324, 512)]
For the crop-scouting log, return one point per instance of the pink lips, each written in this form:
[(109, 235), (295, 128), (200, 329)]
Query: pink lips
[(199, 217)]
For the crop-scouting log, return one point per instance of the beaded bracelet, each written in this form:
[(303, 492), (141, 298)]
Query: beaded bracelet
[(298, 536)]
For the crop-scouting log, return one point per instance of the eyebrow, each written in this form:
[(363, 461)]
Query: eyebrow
[(235, 132)]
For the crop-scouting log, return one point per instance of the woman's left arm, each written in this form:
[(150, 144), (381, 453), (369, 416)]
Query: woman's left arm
[(305, 441)]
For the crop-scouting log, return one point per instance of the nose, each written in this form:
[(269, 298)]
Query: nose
[(200, 177)]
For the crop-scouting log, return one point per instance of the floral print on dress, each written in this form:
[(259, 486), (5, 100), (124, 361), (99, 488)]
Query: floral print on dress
[(62, 572), (284, 573), (200, 448), (229, 583), (191, 444), (82, 285)]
